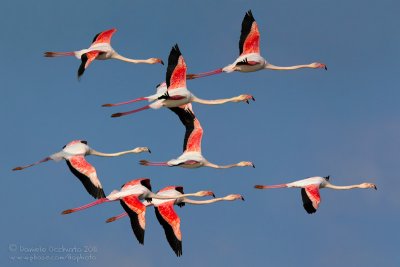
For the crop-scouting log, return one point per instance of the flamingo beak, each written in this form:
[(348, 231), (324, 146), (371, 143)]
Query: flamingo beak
[(252, 97), (161, 62), (376, 188), (242, 198), (149, 150), (326, 68), (253, 165)]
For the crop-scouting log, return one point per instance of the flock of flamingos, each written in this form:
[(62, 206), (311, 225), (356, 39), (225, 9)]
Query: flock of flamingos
[(136, 195)]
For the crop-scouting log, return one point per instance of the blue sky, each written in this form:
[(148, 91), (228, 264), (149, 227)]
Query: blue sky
[(343, 123)]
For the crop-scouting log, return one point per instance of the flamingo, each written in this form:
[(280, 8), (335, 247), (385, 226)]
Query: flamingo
[(192, 157), (100, 49), (130, 195), (167, 216), (74, 154), (310, 190), (173, 92), (249, 59)]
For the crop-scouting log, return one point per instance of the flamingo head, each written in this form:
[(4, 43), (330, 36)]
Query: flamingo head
[(245, 164), (205, 193), (156, 61), (317, 65), (368, 185), (233, 197)]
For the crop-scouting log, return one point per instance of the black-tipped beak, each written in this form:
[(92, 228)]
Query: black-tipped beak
[(213, 195), (376, 188), (149, 151), (326, 68), (247, 101), (253, 165), (243, 198), (253, 98), (162, 62)]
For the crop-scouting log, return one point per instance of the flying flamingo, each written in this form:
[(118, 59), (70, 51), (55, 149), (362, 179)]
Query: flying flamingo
[(310, 190), (173, 92), (192, 157), (130, 195), (74, 154), (167, 216), (250, 59), (100, 49)]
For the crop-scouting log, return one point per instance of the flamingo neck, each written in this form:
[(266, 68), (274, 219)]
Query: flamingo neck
[(129, 60), (344, 187), (273, 67), (101, 154)]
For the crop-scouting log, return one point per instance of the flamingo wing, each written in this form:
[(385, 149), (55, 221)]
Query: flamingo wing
[(194, 131), (311, 198), (86, 173), (136, 211), (176, 71), (104, 37), (86, 59), (250, 36), (170, 221)]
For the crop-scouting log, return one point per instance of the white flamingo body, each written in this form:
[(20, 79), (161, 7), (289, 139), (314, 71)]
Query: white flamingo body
[(252, 57), (100, 49), (310, 190), (173, 92), (74, 154), (194, 159)]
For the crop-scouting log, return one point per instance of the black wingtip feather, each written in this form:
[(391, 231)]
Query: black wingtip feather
[(187, 118), (307, 203), (81, 69), (94, 191), (138, 231), (172, 62), (174, 243), (246, 28)]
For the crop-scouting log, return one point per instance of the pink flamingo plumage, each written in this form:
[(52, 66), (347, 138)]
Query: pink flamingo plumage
[(167, 216), (130, 197), (173, 92), (74, 154), (249, 59), (100, 49), (192, 157), (310, 190)]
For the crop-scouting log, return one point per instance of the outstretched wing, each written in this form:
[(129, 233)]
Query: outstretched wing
[(250, 37), (104, 37), (176, 71), (136, 211), (170, 221), (194, 131), (86, 173), (311, 198)]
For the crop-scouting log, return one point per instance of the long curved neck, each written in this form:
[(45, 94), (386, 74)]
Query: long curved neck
[(203, 202), (197, 194), (122, 58), (101, 154), (213, 102), (344, 187), (215, 166), (273, 67)]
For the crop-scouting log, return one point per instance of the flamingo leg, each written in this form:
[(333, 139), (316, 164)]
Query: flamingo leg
[(148, 163), (30, 165), (129, 112), (122, 215), (203, 74), (94, 203), (126, 102)]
